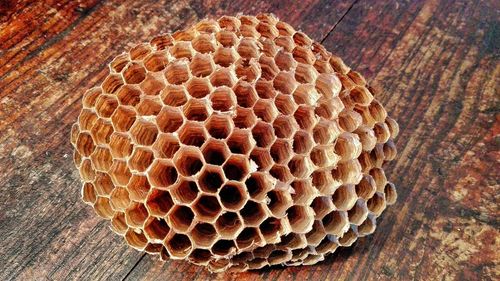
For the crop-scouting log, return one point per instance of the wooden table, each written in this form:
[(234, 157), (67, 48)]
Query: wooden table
[(435, 62)]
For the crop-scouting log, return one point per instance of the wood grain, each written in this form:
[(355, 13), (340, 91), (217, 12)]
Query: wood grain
[(435, 64)]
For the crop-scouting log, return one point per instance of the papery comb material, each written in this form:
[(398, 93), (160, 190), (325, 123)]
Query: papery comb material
[(235, 144)]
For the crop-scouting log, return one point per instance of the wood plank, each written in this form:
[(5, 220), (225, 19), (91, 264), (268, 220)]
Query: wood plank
[(47, 60)]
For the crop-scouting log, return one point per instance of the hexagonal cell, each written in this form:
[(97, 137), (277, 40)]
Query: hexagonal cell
[(112, 84), (193, 134), (267, 30), (377, 156), (136, 239), (101, 132), (118, 223), (329, 109), (233, 196), (328, 245), (382, 132), (141, 159), (203, 234), (103, 184), (245, 118), (225, 56), (159, 202), (268, 68), (144, 132), (348, 146), (223, 77), (174, 95), (284, 60), (301, 166), (358, 213), (305, 73), (161, 42), (198, 87), (228, 225), (366, 137), (393, 127), (279, 201), (120, 145), (248, 237), (284, 127), (263, 134), (365, 113), (329, 85), (215, 152), (325, 132), (222, 99), (336, 223), (366, 161), (201, 65), (304, 192), (156, 62), (181, 49), (279, 257), (302, 142), (258, 184), (185, 191), (152, 84), (377, 203), (188, 161), (322, 205), (129, 95), (84, 144), (247, 48), (180, 218), (348, 172), (324, 156), (120, 173), (219, 126), (103, 208), (281, 151), (361, 95), (203, 43), (149, 106), (301, 218), (265, 89), (77, 159), (262, 158), (271, 230), (285, 104), (227, 38), (368, 226), (136, 214), (119, 62), (285, 83), (169, 119), (390, 150), (196, 110), (87, 119), (138, 188), (218, 264), (281, 173), (207, 208), (303, 55), (87, 172), (75, 131), (345, 197), (246, 96), (350, 120), (119, 199), (236, 168), (349, 237), (247, 70), (101, 159), (253, 213), (265, 110), (200, 256), (292, 241), (156, 229), (302, 39), (378, 175), (257, 263), (162, 173), (123, 118), (366, 187), (134, 73), (177, 72), (390, 193), (306, 94), (316, 235), (140, 51), (178, 245), (106, 105), (89, 195), (154, 249), (240, 141), (223, 247), (166, 146)]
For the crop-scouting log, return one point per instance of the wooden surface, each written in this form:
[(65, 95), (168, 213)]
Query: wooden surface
[(436, 63)]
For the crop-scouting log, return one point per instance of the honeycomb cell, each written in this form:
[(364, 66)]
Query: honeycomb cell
[(268, 68), (377, 203), (350, 120), (390, 193), (138, 188), (281, 151), (112, 84), (120, 145), (246, 96), (222, 99), (215, 152), (324, 156), (233, 196), (198, 87), (348, 238), (103, 184), (271, 230), (144, 132), (193, 134), (279, 201), (229, 225), (236, 168), (284, 60), (285, 83), (188, 161), (345, 197), (225, 56), (263, 134), (368, 226), (336, 223), (223, 247), (136, 239), (204, 43), (178, 245), (182, 49), (348, 172), (203, 234), (207, 208), (166, 145), (246, 70), (119, 199), (262, 158), (169, 119), (253, 213), (89, 195), (201, 65), (316, 235), (258, 184), (281, 173), (162, 173), (240, 141), (244, 118), (156, 229), (129, 95), (361, 95), (134, 73), (156, 62), (304, 192), (329, 109), (136, 215), (174, 95), (322, 205), (159, 202), (301, 166), (219, 126), (140, 51), (120, 172), (306, 94), (211, 179), (152, 85), (123, 118), (265, 89), (366, 137), (301, 218), (118, 223), (248, 237), (265, 110), (177, 72), (180, 218), (141, 159), (200, 256), (186, 191), (106, 105), (196, 110), (85, 145), (119, 62)]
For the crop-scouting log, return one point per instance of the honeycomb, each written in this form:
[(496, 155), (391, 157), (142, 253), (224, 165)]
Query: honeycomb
[(235, 144)]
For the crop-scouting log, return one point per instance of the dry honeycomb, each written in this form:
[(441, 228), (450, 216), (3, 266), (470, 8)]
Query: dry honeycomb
[(235, 144)]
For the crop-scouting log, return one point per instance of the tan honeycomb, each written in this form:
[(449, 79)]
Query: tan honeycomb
[(235, 144)]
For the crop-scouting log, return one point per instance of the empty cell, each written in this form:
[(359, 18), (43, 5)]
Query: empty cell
[(279, 257), (285, 83), (218, 264), (284, 60), (169, 119), (377, 203), (248, 48), (223, 247), (313, 259), (223, 77), (228, 225), (368, 226), (348, 146), (301, 166), (87, 119), (265, 89), (306, 95), (103, 184), (267, 30), (84, 144), (181, 49), (279, 201), (225, 56), (285, 104), (200, 256), (184, 35), (222, 99), (361, 95), (129, 95), (344, 197), (240, 141), (348, 238), (242, 257), (265, 110), (166, 145), (390, 193), (325, 132), (89, 195), (358, 213), (119, 62), (248, 237), (377, 156), (215, 152), (304, 192), (138, 188), (236, 168), (185, 191), (188, 161), (302, 39), (316, 235), (144, 132), (356, 78), (324, 156), (303, 55), (322, 205), (281, 151), (365, 113), (196, 110), (301, 218), (249, 31), (159, 202), (162, 42), (329, 85), (156, 229), (192, 134), (257, 263), (219, 126), (378, 175), (149, 106), (258, 184), (120, 173), (106, 105), (141, 159), (302, 142), (120, 145), (162, 173), (164, 255), (350, 120), (136, 239), (328, 245), (324, 182), (140, 51), (90, 97), (281, 173), (329, 109), (284, 126), (112, 83), (101, 131), (226, 38), (366, 137), (198, 87), (263, 134), (382, 132), (152, 85), (134, 73), (177, 72), (174, 95), (268, 68), (233, 196), (245, 118), (178, 245), (305, 73), (253, 213), (365, 161), (246, 96), (123, 118), (204, 43), (136, 214), (247, 70), (292, 241), (390, 150), (153, 248), (118, 223), (156, 62), (119, 199), (203, 234), (201, 65), (366, 187), (207, 208), (336, 223), (377, 111), (271, 230), (262, 158), (180, 218)]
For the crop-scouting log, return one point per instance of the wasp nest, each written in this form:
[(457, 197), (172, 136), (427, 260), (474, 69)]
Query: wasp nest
[(235, 144)]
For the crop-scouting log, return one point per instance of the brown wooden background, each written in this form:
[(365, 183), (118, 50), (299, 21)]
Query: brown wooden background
[(436, 62)]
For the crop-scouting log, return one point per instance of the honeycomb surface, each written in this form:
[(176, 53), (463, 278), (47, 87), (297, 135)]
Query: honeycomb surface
[(235, 144)]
